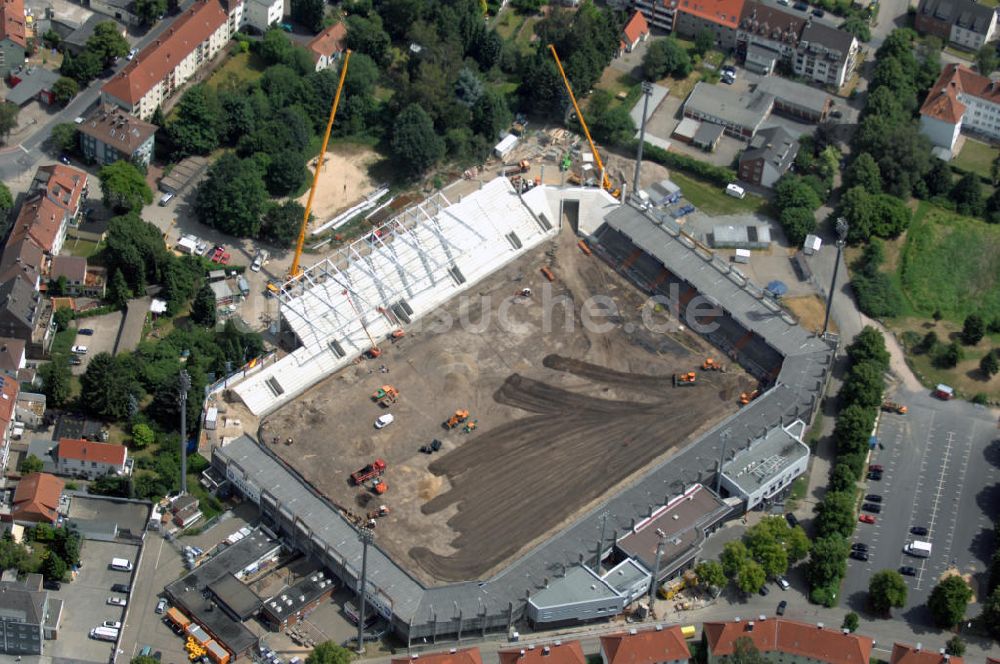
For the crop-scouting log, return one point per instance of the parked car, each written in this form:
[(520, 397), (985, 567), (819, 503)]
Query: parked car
[(876, 467), (121, 588), (86, 331), (79, 349), (384, 420), (65, 159), (75, 361), (764, 591), (873, 498), (791, 519), (874, 508), (113, 624), (859, 546), (782, 605), (859, 555), (866, 518), (117, 601), (52, 584), (919, 530), (801, 6), (783, 583), (819, 13), (906, 570), (875, 475), (259, 260), (161, 606), (132, 53)]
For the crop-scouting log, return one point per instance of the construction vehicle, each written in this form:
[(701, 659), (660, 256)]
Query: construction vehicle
[(432, 447), (396, 335), (711, 365), (385, 396), (893, 407), (382, 511), (747, 397), (584, 247), (295, 270), (605, 180), (566, 162), (548, 274), (470, 426), (379, 486), (372, 470), (374, 351), (685, 379), (522, 166), (456, 419)]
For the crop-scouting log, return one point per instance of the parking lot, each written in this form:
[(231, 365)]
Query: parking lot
[(86, 602), (105, 332), (941, 464)]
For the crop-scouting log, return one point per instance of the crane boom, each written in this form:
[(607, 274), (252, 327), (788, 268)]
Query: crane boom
[(374, 351), (606, 183), (295, 270)]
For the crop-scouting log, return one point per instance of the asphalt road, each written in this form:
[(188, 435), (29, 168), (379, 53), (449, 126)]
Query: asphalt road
[(941, 466)]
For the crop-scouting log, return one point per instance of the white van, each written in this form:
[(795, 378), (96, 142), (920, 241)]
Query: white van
[(121, 564), (918, 549), (736, 191)]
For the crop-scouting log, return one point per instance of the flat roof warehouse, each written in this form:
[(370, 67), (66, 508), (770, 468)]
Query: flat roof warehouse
[(794, 362)]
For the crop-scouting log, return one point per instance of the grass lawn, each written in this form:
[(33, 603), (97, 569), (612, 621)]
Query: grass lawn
[(682, 88), (63, 341), (238, 69), (712, 199), (526, 34), (507, 23), (952, 264), (976, 157), (82, 248)]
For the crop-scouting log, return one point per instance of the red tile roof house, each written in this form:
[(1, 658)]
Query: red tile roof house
[(557, 652), (649, 646), (453, 656), (65, 185), (327, 46), (43, 221), (635, 31), (776, 638), (9, 391), (36, 499), (85, 458), (904, 654), (959, 89), (13, 35)]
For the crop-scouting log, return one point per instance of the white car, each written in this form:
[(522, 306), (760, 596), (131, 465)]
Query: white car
[(79, 350), (131, 54), (259, 260), (113, 624), (117, 601), (161, 606), (384, 420)]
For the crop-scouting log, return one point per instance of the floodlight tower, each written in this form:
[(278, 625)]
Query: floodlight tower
[(366, 536), (842, 229), (183, 385), (647, 92)]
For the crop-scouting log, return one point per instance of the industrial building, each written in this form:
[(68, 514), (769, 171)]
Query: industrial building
[(465, 241), (292, 604), (766, 467), (740, 113)]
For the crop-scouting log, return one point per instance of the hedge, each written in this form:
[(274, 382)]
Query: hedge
[(716, 174)]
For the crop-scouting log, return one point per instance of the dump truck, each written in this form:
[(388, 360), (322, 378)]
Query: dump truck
[(685, 379), (522, 166), (456, 419), (711, 365), (385, 395), (374, 469), (893, 407)]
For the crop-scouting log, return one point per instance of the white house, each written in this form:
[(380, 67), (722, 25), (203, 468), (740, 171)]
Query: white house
[(85, 458), (960, 100), (327, 46)]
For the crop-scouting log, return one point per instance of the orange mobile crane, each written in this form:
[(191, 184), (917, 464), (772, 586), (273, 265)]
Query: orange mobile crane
[(606, 181), (295, 270)]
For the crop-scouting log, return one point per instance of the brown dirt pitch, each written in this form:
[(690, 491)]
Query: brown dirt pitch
[(564, 414)]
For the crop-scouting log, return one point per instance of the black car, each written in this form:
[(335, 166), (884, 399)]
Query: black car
[(859, 555), (918, 530), (85, 331), (52, 584), (819, 13), (836, 114), (764, 591), (801, 6), (782, 605), (873, 498), (122, 588), (859, 546), (75, 361), (875, 475), (906, 570), (791, 519), (874, 508)]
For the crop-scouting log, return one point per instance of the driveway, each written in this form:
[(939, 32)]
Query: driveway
[(105, 332)]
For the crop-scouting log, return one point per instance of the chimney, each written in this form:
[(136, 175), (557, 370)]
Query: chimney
[(633, 631), (819, 625), (918, 648), (545, 651)]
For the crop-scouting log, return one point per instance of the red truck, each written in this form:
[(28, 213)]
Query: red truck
[(374, 469)]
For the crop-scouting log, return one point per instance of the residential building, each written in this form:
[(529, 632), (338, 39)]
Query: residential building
[(771, 153), (27, 615), (80, 279), (781, 641), (109, 134), (906, 654), (720, 17), (965, 23), (635, 31), (659, 13), (327, 46), (761, 472), (10, 389), (66, 186), (960, 100), (160, 69), (559, 652), (22, 258), (741, 113), (649, 646), (453, 656), (85, 458), (23, 315), (30, 409), (36, 499), (800, 102), (13, 35), (826, 55), (43, 221), (767, 36), (74, 36), (31, 83), (12, 357), (261, 14), (122, 11)]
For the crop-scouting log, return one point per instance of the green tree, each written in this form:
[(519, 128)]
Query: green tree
[(774, 530), (989, 365), (711, 575), (150, 11), (835, 514), (144, 659), (772, 558), (329, 652), (858, 27), (863, 172), (6, 201), (793, 191), (232, 197), (734, 556), (938, 178), (666, 57), (286, 172), (196, 127), (973, 329), (948, 357), (53, 567), (869, 345), (309, 13), (490, 115), (968, 196), (751, 577), (990, 615), (118, 290), (828, 560), (8, 118), (886, 589), (64, 137), (414, 141), (107, 43), (842, 477), (851, 622), (281, 223), (124, 187), (142, 436), (704, 41), (797, 222), (949, 600), (63, 316), (111, 385), (275, 47), (56, 376), (986, 60), (64, 90), (203, 308), (745, 652), (366, 35), (955, 646), (30, 464)]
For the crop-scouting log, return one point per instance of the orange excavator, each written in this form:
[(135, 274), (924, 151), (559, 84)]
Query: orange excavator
[(685, 379), (747, 397), (711, 365), (460, 416)]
